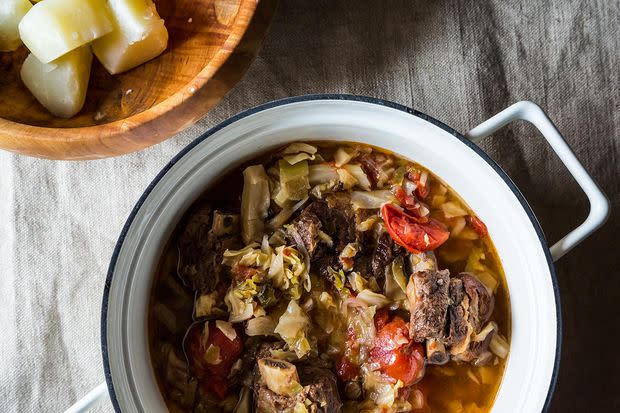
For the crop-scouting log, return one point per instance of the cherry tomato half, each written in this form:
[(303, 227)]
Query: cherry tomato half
[(397, 355), (410, 232), (196, 347)]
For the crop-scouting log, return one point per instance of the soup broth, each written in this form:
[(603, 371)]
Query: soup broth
[(371, 286)]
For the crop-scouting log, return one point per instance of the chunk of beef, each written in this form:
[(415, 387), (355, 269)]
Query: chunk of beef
[(332, 219), (375, 165), (266, 401), (320, 388), (384, 253), (319, 393), (201, 244), (471, 306), (427, 293), (481, 301), (363, 265), (458, 329), (367, 237), (321, 265), (307, 226)]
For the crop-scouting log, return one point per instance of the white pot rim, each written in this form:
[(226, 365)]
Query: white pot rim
[(331, 97)]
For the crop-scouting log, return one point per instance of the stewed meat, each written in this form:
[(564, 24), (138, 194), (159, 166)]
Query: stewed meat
[(308, 226), (206, 235), (427, 293)]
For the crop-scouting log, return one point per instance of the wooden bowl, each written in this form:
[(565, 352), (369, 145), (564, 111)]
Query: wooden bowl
[(128, 112)]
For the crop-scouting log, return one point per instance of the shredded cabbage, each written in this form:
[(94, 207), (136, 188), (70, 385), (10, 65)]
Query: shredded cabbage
[(212, 355), (293, 182), (292, 327), (297, 147), (205, 304), (287, 211), (338, 277), (367, 224), (322, 173), (288, 270), (249, 256), (255, 202), (238, 309), (260, 326), (226, 328), (371, 298), (358, 283), (360, 176), (343, 155), (349, 250), (371, 199), (348, 181)]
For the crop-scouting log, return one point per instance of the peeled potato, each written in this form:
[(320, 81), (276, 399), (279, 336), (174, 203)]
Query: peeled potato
[(53, 28), (59, 86), (11, 13), (139, 35)]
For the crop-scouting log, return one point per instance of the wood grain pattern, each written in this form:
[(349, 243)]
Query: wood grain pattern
[(128, 112)]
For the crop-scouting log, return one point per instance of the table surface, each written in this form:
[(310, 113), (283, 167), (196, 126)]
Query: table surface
[(457, 61)]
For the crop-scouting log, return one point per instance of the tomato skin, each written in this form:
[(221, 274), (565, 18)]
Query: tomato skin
[(397, 355), (478, 226), (415, 234), (213, 377)]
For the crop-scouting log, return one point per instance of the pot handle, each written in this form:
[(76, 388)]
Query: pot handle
[(530, 112), (91, 399)]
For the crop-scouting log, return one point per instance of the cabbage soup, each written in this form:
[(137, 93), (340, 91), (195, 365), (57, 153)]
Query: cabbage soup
[(327, 277)]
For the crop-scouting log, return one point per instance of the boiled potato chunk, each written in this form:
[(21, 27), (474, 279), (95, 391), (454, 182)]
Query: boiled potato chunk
[(11, 13), (59, 86), (139, 35), (55, 27)]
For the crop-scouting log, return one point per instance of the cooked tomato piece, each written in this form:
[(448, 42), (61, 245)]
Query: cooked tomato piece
[(407, 201), (382, 317), (415, 234), (211, 355), (346, 369), (421, 188), (397, 355), (477, 225)]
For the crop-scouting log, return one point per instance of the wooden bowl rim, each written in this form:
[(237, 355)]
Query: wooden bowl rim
[(23, 131)]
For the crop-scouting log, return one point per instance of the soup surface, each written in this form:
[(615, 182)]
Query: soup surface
[(326, 278)]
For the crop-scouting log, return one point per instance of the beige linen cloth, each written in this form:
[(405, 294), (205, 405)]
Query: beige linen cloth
[(458, 61)]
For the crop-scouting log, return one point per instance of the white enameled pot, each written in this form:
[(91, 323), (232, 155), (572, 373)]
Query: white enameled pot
[(532, 366)]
